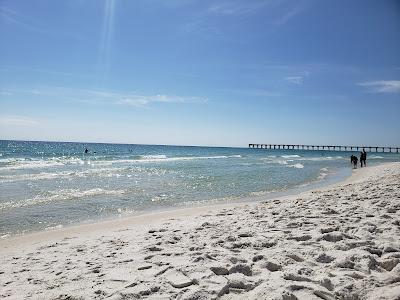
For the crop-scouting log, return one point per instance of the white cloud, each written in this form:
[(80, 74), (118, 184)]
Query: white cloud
[(382, 86), (295, 79), (18, 121)]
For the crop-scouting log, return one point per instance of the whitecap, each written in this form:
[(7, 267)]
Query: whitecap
[(157, 156), (290, 156), (322, 158), (297, 166), (11, 160), (31, 165), (170, 159), (54, 227), (34, 163), (125, 211), (260, 193), (322, 176)]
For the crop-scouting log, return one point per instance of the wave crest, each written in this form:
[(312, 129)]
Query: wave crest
[(60, 195)]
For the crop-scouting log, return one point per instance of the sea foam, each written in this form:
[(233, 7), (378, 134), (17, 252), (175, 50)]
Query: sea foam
[(297, 166), (59, 195), (290, 156)]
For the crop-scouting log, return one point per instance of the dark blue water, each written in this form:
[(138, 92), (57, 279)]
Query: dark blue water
[(45, 184)]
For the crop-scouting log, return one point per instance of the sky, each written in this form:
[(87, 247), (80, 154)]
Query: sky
[(201, 72)]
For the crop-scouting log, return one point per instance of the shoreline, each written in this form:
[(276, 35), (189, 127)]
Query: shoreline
[(191, 210), (336, 242), (65, 191)]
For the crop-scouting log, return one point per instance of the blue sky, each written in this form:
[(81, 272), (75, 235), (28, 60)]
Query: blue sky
[(200, 72)]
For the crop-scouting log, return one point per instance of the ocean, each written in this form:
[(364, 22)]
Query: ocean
[(45, 185)]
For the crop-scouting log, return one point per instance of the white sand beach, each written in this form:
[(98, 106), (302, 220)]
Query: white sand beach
[(339, 242)]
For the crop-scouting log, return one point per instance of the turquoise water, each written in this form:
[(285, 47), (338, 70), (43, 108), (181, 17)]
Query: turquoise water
[(47, 184)]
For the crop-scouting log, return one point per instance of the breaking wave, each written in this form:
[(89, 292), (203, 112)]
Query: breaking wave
[(60, 195), (290, 156), (22, 163)]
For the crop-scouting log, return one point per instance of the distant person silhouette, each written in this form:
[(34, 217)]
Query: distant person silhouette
[(363, 158), (354, 160), (86, 151)]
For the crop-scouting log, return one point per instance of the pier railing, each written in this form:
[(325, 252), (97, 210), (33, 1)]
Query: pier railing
[(319, 147)]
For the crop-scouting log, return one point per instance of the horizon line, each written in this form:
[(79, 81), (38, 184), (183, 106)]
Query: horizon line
[(199, 146), (120, 143)]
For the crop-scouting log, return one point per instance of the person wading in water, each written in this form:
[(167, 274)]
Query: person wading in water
[(354, 161), (363, 158)]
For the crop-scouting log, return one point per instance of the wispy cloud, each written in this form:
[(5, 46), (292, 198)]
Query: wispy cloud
[(5, 93), (279, 11), (304, 68), (134, 99), (18, 121), (290, 14), (254, 92), (16, 18), (236, 7), (295, 79), (23, 22), (275, 12), (140, 100), (137, 100), (382, 86), (298, 79), (108, 97)]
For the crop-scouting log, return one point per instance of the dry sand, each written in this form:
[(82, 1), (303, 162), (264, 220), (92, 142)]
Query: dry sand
[(340, 242)]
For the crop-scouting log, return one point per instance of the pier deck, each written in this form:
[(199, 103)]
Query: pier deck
[(332, 148)]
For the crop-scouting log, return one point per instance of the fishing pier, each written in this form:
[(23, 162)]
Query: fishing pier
[(331, 148)]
